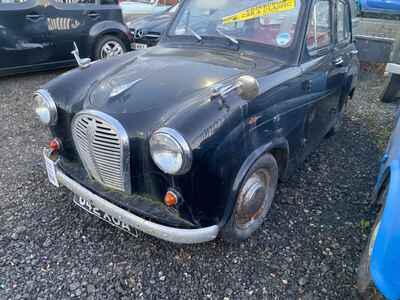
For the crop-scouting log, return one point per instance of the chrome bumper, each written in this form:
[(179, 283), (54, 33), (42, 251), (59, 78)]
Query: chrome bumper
[(176, 235)]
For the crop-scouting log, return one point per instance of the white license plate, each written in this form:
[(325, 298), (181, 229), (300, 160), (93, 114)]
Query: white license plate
[(91, 208), (51, 169), (138, 46)]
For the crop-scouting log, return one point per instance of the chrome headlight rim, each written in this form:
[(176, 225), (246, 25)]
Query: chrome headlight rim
[(50, 104), (184, 147)]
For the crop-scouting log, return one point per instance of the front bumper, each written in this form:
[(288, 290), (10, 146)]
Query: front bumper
[(176, 235)]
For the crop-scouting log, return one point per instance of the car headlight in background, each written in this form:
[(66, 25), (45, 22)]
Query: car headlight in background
[(45, 107), (170, 152)]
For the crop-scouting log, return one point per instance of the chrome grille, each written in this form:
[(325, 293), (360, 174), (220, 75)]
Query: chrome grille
[(103, 147)]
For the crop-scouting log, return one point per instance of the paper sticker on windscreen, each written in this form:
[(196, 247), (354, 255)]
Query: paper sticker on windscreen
[(271, 7)]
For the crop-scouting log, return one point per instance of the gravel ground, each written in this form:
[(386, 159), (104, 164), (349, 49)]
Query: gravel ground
[(308, 248)]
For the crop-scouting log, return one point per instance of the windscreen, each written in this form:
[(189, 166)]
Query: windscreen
[(270, 23)]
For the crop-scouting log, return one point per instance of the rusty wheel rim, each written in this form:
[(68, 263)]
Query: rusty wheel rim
[(254, 199)]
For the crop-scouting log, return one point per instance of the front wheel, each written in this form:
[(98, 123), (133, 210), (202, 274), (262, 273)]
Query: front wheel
[(109, 46), (253, 200)]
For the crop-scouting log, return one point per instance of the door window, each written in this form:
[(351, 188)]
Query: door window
[(71, 2), (343, 22), (12, 1), (319, 25)]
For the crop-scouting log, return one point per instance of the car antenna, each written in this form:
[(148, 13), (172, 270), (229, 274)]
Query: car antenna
[(82, 62)]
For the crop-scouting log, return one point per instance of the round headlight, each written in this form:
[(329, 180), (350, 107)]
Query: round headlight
[(170, 152), (45, 107)]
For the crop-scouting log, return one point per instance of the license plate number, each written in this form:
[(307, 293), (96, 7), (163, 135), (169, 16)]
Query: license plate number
[(138, 46), (92, 209), (51, 170)]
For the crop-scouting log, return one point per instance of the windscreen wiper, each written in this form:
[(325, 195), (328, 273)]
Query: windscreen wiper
[(195, 34), (231, 38)]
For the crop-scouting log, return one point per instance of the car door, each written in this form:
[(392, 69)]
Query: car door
[(23, 34), (344, 46), (70, 21), (319, 74)]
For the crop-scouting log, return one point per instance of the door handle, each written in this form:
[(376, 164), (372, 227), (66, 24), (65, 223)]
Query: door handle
[(338, 61), (33, 17), (92, 14), (307, 85)]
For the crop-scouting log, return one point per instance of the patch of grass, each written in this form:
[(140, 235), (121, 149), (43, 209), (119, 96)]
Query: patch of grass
[(365, 225)]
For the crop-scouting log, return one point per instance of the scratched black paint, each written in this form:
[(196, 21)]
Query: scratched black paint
[(300, 95)]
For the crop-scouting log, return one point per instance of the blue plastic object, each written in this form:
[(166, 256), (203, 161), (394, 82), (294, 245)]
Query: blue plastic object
[(380, 6), (385, 253)]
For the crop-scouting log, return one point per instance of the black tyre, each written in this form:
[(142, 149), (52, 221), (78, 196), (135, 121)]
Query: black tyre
[(364, 282), (253, 200), (109, 46), (341, 110)]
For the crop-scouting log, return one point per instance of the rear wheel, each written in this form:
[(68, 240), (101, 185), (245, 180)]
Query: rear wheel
[(253, 200), (109, 46), (341, 110)]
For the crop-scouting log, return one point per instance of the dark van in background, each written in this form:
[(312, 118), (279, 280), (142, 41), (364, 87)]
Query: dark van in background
[(39, 34)]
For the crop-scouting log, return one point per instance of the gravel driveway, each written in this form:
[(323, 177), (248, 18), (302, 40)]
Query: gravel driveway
[(308, 248)]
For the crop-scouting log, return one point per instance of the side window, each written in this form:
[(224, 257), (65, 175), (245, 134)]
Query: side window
[(319, 25), (12, 1), (109, 2), (70, 2), (343, 22), (167, 2)]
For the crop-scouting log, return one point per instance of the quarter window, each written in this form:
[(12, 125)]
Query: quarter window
[(319, 25), (343, 22)]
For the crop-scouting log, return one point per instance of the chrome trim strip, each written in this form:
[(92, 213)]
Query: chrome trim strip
[(171, 234), (186, 150), (124, 139), (52, 105)]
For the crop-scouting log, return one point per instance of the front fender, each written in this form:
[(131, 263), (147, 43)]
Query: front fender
[(385, 263), (279, 143)]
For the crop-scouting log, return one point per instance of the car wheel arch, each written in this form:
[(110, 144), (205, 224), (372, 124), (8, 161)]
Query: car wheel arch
[(278, 148), (115, 33), (104, 28)]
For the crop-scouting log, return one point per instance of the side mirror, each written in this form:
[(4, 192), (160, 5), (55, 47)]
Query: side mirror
[(247, 87)]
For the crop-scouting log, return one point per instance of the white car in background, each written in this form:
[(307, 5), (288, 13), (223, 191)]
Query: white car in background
[(133, 9)]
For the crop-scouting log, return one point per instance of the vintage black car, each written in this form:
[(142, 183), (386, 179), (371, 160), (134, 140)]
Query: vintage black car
[(187, 140), (148, 30), (39, 35)]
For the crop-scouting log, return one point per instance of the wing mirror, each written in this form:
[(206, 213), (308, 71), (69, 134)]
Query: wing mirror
[(246, 86)]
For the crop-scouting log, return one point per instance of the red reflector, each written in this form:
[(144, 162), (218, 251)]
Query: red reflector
[(170, 198), (55, 145)]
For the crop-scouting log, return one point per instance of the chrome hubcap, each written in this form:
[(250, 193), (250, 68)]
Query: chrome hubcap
[(253, 199), (110, 49)]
